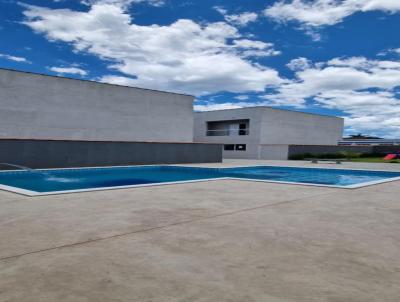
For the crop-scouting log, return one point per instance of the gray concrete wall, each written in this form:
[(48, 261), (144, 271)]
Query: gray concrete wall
[(269, 127), (291, 127), (275, 152), (252, 140), (46, 107), (62, 154)]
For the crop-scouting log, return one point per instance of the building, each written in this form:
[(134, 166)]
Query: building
[(75, 122), (264, 132), (48, 107), (369, 142)]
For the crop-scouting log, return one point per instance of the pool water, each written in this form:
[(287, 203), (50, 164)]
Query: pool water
[(333, 177), (89, 178), (56, 180)]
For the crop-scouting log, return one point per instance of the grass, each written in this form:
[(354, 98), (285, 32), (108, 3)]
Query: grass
[(348, 156), (373, 160)]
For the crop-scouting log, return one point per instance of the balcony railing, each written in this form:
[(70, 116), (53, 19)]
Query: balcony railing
[(227, 132)]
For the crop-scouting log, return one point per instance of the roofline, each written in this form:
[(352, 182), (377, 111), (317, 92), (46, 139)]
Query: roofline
[(90, 81), (273, 108)]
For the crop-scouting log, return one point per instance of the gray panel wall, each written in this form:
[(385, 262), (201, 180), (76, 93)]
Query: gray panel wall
[(270, 127), (62, 154), (45, 107), (275, 152), (290, 127)]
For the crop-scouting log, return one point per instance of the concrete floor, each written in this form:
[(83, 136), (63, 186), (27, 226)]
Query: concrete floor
[(225, 240)]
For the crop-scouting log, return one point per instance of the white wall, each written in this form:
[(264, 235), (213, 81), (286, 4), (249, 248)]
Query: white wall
[(45, 107), (271, 131), (297, 128)]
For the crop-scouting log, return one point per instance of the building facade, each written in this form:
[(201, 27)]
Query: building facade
[(51, 122), (263, 132), (47, 107)]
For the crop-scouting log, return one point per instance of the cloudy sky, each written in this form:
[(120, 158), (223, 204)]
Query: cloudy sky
[(335, 57)]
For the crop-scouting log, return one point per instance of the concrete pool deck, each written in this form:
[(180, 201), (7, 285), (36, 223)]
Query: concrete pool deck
[(222, 240)]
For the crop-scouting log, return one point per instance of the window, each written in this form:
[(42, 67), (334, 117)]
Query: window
[(241, 147), (232, 147), (243, 129)]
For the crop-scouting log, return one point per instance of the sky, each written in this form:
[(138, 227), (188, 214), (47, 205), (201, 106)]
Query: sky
[(332, 57)]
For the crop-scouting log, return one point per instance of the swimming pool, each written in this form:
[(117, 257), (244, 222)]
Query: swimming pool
[(56, 181)]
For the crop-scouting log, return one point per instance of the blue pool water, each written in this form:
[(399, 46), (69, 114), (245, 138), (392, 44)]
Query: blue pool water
[(43, 181)]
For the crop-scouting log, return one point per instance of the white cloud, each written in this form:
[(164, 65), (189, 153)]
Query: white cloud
[(366, 91), (69, 70), (207, 58), (384, 5), (123, 3), (183, 56), (242, 97), (325, 12), (245, 43), (369, 112), (389, 51), (251, 48), (210, 106), (341, 74), (221, 10), (241, 19), (395, 50), (14, 58), (298, 64), (363, 89)]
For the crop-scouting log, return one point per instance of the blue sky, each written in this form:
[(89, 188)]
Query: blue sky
[(322, 56)]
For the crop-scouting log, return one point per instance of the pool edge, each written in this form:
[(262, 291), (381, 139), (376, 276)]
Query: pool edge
[(31, 193)]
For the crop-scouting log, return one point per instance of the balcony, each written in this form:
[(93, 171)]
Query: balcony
[(227, 132), (228, 128)]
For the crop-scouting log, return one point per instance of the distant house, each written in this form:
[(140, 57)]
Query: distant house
[(264, 132), (369, 142)]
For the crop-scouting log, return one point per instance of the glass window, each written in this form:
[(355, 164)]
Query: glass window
[(229, 147), (243, 129), (241, 147)]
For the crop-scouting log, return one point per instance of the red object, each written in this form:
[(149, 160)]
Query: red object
[(390, 156)]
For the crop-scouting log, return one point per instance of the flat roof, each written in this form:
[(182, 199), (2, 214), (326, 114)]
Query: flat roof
[(89, 81), (269, 107)]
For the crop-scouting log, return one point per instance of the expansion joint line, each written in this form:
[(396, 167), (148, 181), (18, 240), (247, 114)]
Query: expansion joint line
[(160, 227)]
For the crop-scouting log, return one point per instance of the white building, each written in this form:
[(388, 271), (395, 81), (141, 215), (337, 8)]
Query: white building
[(264, 132), (35, 106), (52, 122)]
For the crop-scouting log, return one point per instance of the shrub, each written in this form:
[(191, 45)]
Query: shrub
[(347, 154), (372, 155), (341, 154), (300, 156)]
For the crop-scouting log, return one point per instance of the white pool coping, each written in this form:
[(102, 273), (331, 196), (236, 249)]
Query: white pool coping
[(35, 193)]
